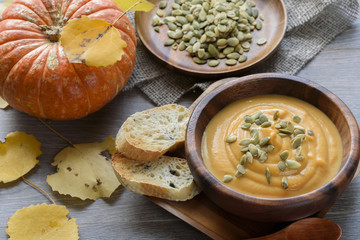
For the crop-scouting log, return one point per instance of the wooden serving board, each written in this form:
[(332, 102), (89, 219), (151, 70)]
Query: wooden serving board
[(201, 213)]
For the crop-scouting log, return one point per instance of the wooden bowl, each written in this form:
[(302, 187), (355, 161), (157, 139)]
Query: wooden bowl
[(274, 26), (266, 209)]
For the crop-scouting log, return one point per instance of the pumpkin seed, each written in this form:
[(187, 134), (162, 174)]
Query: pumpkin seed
[(199, 61), (281, 165), (298, 151), (311, 133), (245, 149), (254, 132), (157, 29), (257, 122), (241, 169), (263, 157), (253, 150), (298, 131), (233, 55), (263, 118), (213, 63), (171, 26), (227, 178), (261, 41), (268, 148), (182, 46), (264, 141), (266, 124), (299, 127), (283, 134), (299, 158), (160, 13), (283, 124), (268, 176), (297, 119), (292, 164), (243, 159), (277, 126), (230, 139), (284, 155), (285, 131), (238, 174), (233, 42), (290, 127), (177, 12), (255, 13), (163, 4), (276, 115), (249, 119), (213, 51), (296, 143), (231, 62), (244, 126), (249, 157), (284, 182), (228, 50), (258, 25), (257, 115), (245, 142), (242, 59), (169, 42)]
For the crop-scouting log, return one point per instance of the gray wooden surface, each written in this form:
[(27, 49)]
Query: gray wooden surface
[(130, 216)]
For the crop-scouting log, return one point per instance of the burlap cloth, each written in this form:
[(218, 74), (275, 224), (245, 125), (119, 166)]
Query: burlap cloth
[(311, 25)]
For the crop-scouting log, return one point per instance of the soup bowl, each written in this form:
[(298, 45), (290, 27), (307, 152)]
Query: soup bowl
[(272, 209)]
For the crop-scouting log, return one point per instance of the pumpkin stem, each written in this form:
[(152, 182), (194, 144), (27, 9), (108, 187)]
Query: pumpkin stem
[(52, 32)]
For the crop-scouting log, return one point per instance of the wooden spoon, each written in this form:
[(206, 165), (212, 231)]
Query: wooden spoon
[(308, 228)]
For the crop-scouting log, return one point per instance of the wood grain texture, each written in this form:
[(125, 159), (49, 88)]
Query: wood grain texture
[(274, 26), (127, 215)]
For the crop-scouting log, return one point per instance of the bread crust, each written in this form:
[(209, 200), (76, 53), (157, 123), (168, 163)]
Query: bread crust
[(134, 175), (159, 139)]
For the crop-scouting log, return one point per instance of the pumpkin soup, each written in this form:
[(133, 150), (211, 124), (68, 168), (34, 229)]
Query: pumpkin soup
[(272, 146)]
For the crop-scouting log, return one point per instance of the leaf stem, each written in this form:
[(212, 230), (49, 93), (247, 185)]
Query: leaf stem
[(40, 189), (56, 132), (126, 12)]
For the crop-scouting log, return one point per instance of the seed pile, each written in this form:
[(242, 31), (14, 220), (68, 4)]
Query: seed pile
[(210, 30), (256, 148)]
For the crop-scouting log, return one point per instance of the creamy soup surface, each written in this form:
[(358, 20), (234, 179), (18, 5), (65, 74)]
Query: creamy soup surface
[(306, 167)]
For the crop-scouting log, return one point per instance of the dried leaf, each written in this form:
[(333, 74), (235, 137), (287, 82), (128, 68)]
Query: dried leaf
[(3, 103), (4, 4), (42, 222), (93, 42), (84, 172), (143, 6), (18, 155)]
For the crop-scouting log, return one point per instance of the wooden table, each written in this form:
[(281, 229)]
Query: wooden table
[(128, 215)]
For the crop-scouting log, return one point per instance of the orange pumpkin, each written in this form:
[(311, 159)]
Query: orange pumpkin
[(36, 76)]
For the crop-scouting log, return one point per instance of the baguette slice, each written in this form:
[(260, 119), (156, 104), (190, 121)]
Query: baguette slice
[(147, 135), (166, 177)]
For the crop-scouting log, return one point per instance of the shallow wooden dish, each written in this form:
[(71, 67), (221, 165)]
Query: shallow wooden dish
[(274, 26), (261, 209)]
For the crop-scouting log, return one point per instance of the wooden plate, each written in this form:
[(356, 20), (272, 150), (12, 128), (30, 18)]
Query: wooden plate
[(274, 26)]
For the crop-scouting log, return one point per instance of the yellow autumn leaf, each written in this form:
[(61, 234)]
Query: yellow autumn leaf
[(42, 222), (93, 42), (18, 155), (84, 172), (4, 4), (143, 6), (3, 103)]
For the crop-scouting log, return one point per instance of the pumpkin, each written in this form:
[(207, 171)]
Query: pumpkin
[(37, 78)]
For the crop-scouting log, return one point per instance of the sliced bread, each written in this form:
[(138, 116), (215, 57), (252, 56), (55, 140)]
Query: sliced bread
[(166, 177), (147, 135)]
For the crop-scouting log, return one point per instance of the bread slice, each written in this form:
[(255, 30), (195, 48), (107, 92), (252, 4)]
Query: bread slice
[(147, 135), (166, 177)]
